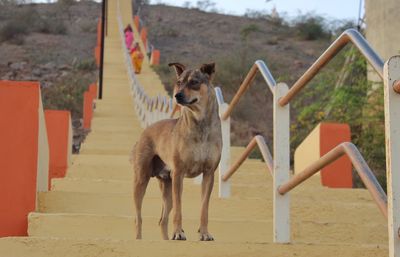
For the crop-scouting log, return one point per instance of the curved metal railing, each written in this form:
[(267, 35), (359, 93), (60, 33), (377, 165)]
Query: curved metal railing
[(360, 165), (281, 185), (266, 154), (258, 66), (350, 35)]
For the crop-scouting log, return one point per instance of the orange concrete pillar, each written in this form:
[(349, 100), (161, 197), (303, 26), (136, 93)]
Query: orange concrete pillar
[(93, 90), (99, 28), (59, 131), (321, 140), (339, 173), (87, 109), (143, 37), (23, 154), (136, 21), (155, 57), (97, 50)]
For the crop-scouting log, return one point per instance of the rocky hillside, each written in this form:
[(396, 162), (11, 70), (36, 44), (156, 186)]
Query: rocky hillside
[(53, 44), (193, 37)]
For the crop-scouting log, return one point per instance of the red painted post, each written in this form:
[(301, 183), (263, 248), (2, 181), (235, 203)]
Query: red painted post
[(93, 90), (19, 154), (58, 125), (143, 37), (339, 173), (87, 110), (155, 57), (136, 21)]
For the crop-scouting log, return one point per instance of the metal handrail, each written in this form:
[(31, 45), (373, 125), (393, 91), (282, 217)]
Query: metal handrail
[(269, 79), (350, 35), (256, 141), (149, 109), (359, 164)]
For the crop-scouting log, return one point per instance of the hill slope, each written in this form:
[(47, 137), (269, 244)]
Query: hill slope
[(193, 37)]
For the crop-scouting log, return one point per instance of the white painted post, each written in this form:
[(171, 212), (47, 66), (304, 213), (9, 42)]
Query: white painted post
[(197, 180), (224, 164), (392, 132), (151, 117), (146, 115), (281, 206)]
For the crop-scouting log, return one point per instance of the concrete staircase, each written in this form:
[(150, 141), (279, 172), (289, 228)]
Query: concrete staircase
[(90, 212)]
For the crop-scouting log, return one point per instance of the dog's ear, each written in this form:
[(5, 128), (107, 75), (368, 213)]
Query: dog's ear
[(179, 68), (208, 69)]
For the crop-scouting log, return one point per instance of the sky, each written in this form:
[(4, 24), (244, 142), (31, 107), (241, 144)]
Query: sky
[(337, 9)]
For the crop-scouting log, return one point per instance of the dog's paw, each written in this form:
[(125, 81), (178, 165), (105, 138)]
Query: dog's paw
[(206, 237), (179, 235)]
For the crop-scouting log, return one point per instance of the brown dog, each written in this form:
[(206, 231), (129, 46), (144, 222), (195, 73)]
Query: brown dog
[(185, 147)]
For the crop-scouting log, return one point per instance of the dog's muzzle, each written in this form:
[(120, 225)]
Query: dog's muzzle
[(180, 99)]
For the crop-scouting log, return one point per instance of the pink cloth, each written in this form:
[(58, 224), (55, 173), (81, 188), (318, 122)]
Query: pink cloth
[(128, 39)]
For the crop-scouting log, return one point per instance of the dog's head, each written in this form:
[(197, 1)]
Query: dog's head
[(193, 87)]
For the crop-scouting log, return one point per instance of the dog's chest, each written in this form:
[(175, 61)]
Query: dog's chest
[(201, 156)]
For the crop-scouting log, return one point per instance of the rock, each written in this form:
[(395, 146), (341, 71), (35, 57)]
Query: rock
[(64, 74), (298, 64), (49, 66), (77, 123), (46, 84), (17, 65), (49, 76), (9, 75), (64, 67), (27, 78), (37, 72)]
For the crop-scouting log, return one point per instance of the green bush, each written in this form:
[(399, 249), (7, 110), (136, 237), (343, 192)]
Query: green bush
[(50, 25), (88, 27), (355, 102), (13, 30), (26, 19), (66, 94), (86, 65), (311, 27)]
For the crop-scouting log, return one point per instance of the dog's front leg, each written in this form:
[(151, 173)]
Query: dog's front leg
[(206, 189), (177, 186)]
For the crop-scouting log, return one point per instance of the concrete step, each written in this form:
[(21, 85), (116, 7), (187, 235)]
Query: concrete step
[(107, 166), (117, 166), (122, 204), (240, 207), (87, 226), (57, 247)]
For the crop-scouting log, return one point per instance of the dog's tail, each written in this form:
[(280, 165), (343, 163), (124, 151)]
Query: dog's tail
[(132, 155)]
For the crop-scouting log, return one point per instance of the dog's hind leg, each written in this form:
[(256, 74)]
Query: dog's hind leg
[(166, 191), (140, 185)]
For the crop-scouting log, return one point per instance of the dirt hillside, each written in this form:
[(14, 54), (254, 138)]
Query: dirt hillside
[(193, 37), (53, 44)]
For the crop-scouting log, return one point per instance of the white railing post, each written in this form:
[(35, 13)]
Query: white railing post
[(224, 164), (281, 212), (197, 180), (392, 127)]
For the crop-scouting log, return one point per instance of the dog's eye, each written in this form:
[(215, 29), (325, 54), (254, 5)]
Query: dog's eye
[(179, 83), (194, 84)]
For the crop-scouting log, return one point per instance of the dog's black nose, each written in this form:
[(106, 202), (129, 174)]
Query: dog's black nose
[(179, 97)]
